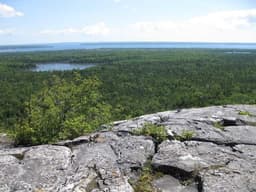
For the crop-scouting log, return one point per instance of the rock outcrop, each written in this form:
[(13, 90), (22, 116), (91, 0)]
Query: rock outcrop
[(210, 149)]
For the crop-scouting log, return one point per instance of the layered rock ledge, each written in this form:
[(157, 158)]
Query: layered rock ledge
[(207, 149)]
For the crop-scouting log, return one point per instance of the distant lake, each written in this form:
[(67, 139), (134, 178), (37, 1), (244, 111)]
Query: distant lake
[(60, 67), (125, 45)]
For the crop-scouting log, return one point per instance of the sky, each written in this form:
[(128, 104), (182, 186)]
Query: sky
[(51, 21)]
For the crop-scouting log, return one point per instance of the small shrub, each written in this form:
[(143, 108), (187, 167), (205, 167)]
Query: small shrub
[(185, 135), (157, 132)]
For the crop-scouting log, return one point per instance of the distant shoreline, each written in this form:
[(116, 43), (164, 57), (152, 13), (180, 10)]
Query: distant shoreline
[(2, 47), (124, 45)]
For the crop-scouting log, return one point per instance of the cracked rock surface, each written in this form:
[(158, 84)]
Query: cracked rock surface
[(218, 155)]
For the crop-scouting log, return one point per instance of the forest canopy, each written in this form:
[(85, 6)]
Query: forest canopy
[(124, 83)]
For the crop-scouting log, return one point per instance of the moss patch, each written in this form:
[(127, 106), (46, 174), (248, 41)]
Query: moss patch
[(251, 124), (247, 113), (92, 185), (218, 125)]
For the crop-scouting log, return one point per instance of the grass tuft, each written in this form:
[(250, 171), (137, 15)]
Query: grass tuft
[(185, 135), (157, 132)]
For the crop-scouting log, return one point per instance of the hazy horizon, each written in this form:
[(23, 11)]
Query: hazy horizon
[(123, 42), (101, 21)]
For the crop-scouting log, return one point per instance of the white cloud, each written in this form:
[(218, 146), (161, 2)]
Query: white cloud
[(6, 31), (226, 26), (227, 20), (229, 26), (8, 11), (98, 29)]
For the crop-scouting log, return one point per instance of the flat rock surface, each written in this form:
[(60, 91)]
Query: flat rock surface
[(103, 163), (211, 149), (190, 157)]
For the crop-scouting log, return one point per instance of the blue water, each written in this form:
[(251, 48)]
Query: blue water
[(77, 46), (60, 67)]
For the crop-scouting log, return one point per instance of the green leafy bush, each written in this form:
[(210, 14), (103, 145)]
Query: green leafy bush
[(62, 110)]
